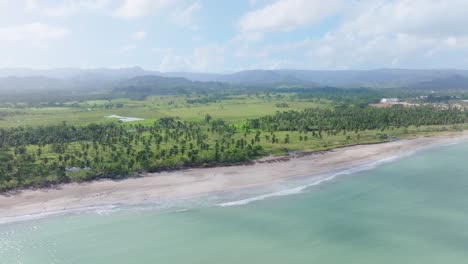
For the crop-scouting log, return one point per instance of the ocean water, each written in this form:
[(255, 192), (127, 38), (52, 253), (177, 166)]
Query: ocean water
[(411, 210)]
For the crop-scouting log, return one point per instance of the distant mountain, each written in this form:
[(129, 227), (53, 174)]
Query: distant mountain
[(110, 78), (79, 74), (24, 79), (58, 73), (112, 75), (257, 77), (158, 85), (453, 82), (155, 80), (382, 78), (193, 76), (33, 83)]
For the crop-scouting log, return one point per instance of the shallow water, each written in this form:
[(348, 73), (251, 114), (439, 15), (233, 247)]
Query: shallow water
[(413, 210)]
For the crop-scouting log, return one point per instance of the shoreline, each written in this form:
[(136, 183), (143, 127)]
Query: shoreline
[(197, 182)]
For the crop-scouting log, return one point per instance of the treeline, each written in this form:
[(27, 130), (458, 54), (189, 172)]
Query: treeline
[(358, 119), (359, 97), (47, 155), (41, 156)]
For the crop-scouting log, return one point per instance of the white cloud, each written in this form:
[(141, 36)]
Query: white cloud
[(393, 33), (196, 38), (285, 15), (129, 47), (162, 51), (205, 57), (31, 4), (375, 34), (32, 32), (65, 8), (248, 37), (184, 16), (210, 57), (132, 9), (174, 62), (59, 11), (414, 17), (139, 35), (257, 2), (371, 34), (366, 33), (93, 4)]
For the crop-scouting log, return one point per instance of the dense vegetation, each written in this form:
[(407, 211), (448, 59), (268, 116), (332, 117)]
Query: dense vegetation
[(198, 126), (44, 155), (358, 119), (64, 152)]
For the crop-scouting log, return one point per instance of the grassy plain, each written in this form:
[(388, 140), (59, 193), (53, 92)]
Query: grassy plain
[(132, 149), (232, 109)]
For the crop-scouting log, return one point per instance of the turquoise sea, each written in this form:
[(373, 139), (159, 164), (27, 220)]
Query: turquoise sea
[(411, 210)]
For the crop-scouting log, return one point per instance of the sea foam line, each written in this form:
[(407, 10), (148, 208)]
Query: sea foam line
[(295, 190), (106, 209), (300, 189), (100, 210)]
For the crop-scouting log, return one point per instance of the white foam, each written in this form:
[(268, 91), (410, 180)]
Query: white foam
[(296, 190), (300, 189), (106, 210), (100, 210), (195, 201)]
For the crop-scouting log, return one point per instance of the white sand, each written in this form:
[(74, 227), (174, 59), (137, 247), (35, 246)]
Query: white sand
[(195, 182)]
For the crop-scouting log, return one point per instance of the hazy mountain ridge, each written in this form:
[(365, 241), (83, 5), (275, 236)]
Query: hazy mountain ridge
[(380, 78), (160, 85), (88, 79), (453, 82), (256, 77), (193, 76), (27, 83)]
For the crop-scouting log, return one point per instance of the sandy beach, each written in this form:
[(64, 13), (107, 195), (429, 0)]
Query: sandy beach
[(195, 182)]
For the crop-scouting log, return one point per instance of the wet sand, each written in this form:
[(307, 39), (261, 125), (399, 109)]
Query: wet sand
[(200, 181)]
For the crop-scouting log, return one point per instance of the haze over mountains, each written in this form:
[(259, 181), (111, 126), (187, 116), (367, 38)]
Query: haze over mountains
[(23, 79)]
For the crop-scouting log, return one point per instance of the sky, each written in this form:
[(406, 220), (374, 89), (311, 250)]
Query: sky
[(224, 36)]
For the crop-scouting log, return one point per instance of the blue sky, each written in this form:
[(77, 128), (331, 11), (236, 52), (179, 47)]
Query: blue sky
[(226, 36)]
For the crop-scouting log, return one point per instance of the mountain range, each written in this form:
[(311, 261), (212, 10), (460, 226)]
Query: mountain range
[(24, 79)]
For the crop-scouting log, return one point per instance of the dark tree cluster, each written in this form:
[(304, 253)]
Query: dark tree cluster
[(358, 119), (41, 156)]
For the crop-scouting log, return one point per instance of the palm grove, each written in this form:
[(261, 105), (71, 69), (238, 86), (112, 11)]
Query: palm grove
[(47, 155)]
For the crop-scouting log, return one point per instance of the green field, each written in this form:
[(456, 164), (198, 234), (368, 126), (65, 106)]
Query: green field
[(234, 109), (77, 141)]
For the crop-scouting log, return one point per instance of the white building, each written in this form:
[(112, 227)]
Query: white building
[(390, 100)]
